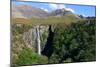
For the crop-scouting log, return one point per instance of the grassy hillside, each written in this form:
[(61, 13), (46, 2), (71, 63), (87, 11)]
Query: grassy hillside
[(50, 20)]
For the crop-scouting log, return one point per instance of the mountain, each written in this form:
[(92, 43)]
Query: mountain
[(63, 12), (16, 13), (28, 12)]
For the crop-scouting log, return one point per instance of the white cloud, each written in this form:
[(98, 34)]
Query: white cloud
[(83, 15), (44, 9), (60, 6), (56, 6), (69, 9), (53, 6)]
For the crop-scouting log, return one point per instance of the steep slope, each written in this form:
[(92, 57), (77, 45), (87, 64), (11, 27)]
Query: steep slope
[(28, 12), (16, 13)]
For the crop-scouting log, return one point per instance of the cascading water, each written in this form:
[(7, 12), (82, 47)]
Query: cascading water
[(38, 39)]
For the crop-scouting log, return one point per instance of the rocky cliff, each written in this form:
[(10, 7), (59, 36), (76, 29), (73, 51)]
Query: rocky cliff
[(34, 37)]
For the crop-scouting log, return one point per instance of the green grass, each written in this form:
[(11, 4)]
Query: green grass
[(27, 57), (50, 20)]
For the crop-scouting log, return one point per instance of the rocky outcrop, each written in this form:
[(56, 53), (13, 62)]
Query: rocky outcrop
[(36, 37)]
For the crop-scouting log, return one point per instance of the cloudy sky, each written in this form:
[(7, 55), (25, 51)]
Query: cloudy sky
[(78, 9)]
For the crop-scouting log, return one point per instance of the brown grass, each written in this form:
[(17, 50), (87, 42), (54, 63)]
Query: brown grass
[(20, 21)]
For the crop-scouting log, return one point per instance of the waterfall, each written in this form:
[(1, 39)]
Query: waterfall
[(32, 38), (38, 39)]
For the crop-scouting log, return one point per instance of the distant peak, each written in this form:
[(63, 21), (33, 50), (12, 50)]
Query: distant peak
[(63, 10)]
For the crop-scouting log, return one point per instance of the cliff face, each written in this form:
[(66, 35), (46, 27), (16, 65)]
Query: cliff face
[(23, 36), (35, 38)]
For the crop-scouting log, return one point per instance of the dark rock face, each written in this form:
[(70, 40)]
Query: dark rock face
[(48, 50)]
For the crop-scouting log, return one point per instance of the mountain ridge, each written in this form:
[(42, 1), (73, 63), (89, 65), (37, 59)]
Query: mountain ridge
[(39, 16), (26, 11)]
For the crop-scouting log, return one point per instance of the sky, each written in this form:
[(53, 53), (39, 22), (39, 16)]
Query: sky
[(77, 9)]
